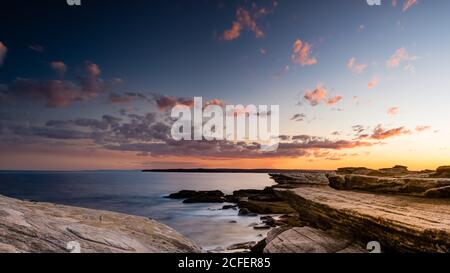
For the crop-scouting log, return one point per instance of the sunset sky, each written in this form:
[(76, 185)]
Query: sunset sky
[(91, 87)]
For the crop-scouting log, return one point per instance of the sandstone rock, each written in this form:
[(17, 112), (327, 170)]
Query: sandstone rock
[(309, 240), (242, 246), (43, 227), (300, 178), (399, 223), (442, 172), (357, 170), (426, 187)]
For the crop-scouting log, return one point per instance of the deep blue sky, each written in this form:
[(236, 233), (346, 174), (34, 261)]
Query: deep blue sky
[(177, 48)]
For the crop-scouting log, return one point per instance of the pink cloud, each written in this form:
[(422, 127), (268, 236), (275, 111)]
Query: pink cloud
[(246, 20), (334, 100), (301, 53), (393, 111), (59, 67), (165, 103), (399, 56), (373, 83), (408, 4), (93, 69), (380, 133), (422, 128), (314, 97), (3, 51), (354, 67), (217, 102)]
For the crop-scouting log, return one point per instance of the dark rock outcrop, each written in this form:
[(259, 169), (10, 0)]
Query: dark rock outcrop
[(199, 196)]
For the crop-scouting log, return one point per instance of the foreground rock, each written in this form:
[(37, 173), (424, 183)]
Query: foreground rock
[(425, 187), (43, 227), (308, 240), (399, 223)]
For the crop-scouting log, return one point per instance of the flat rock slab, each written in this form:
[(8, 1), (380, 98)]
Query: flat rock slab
[(43, 227), (414, 186), (399, 223), (310, 240)]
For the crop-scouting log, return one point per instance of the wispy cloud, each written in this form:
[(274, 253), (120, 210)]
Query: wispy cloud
[(422, 128), (400, 55), (408, 4), (380, 133), (298, 117), (373, 83), (37, 48), (393, 111), (301, 53), (246, 19), (333, 100), (355, 67)]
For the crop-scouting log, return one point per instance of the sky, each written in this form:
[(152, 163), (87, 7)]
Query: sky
[(91, 87)]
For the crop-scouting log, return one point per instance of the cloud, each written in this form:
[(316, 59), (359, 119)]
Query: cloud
[(246, 20), (354, 67), (61, 93), (298, 117), (393, 111), (380, 133), (217, 102), (373, 83), (37, 48), (320, 94), (126, 98), (150, 135), (422, 128), (400, 55), (333, 100), (408, 4), (59, 67), (314, 97), (3, 51), (301, 53), (165, 103)]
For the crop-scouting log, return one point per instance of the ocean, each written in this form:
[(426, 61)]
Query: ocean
[(142, 194)]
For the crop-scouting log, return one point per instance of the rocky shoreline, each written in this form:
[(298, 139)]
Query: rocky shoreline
[(305, 212), (343, 211)]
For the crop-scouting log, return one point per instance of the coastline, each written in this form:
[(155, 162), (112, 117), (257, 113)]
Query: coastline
[(345, 211)]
